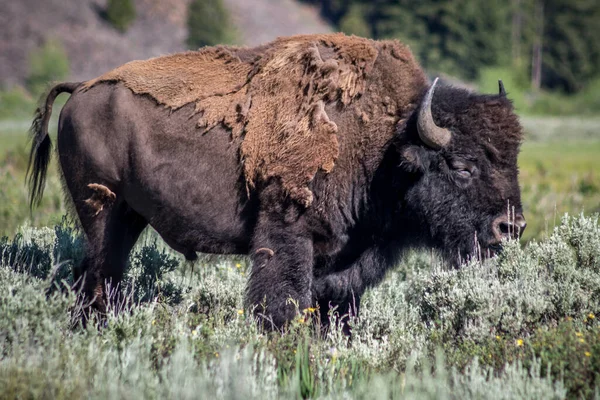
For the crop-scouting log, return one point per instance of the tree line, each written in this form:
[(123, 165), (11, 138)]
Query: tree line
[(552, 44)]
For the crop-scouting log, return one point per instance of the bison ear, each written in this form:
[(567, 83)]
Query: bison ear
[(413, 158)]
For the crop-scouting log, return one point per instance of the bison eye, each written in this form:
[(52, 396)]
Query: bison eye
[(462, 169), (464, 173)]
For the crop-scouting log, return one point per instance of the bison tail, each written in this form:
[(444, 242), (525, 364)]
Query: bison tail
[(39, 157)]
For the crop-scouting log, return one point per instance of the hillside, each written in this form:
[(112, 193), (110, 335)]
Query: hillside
[(94, 46)]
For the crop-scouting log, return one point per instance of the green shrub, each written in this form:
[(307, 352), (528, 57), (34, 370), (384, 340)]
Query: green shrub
[(16, 103), (25, 256), (120, 13), (208, 23), (519, 291), (146, 275), (569, 352), (353, 22), (522, 325), (46, 64)]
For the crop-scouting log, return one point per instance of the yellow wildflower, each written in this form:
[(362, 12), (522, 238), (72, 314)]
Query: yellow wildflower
[(591, 316), (194, 332), (581, 340), (498, 337), (588, 354), (578, 334), (153, 322), (519, 342), (240, 312), (309, 310), (238, 265), (217, 355)]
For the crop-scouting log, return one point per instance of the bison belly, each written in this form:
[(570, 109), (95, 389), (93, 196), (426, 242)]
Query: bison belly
[(186, 184)]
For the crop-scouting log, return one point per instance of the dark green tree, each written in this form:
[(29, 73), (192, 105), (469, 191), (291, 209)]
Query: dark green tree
[(552, 44), (120, 13), (208, 23), (353, 22), (571, 44), (456, 37)]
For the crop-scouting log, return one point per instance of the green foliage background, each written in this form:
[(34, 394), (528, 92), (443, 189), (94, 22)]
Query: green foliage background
[(462, 37), (47, 63), (120, 13), (208, 24)]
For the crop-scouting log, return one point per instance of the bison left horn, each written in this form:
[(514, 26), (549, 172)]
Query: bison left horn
[(501, 90), (431, 134)]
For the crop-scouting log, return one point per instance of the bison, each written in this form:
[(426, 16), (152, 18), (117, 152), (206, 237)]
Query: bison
[(322, 157)]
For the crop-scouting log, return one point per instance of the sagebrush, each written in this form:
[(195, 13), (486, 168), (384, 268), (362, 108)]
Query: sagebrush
[(507, 328)]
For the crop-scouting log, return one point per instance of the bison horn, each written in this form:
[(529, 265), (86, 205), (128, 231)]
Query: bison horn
[(431, 134), (501, 90)]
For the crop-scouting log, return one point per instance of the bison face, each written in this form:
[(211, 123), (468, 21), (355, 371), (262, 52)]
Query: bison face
[(462, 153)]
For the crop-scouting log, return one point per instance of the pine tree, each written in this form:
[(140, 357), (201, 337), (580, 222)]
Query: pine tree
[(571, 43), (556, 43)]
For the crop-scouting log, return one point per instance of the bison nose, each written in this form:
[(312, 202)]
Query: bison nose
[(505, 228)]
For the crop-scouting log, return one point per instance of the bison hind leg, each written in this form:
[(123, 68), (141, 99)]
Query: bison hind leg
[(111, 229)]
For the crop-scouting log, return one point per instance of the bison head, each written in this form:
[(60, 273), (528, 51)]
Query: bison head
[(460, 149)]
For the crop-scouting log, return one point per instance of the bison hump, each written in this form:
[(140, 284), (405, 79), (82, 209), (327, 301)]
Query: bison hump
[(273, 98)]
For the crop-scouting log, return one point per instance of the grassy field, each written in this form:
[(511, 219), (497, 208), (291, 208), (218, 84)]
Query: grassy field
[(523, 325), (559, 164)]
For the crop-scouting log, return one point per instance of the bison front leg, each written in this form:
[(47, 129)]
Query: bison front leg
[(340, 292), (281, 277)]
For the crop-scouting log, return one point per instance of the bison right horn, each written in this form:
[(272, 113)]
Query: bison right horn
[(431, 134)]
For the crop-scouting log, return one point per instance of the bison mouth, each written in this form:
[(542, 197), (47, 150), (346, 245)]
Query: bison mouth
[(480, 251), (492, 250)]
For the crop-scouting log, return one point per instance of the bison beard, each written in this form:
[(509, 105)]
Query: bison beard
[(320, 156)]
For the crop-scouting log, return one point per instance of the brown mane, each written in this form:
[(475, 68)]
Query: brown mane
[(275, 96)]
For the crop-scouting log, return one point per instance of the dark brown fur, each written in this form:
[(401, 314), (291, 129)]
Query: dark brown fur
[(324, 199)]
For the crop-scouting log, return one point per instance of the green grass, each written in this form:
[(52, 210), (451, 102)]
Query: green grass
[(14, 155), (558, 177)]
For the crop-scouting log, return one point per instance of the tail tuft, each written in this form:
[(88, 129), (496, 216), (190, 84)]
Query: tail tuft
[(39, 157)]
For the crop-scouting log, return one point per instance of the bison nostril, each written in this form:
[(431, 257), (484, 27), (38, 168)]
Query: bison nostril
[(505, 228)]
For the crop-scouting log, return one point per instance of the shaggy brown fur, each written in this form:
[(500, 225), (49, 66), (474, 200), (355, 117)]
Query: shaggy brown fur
[(275, 97)]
